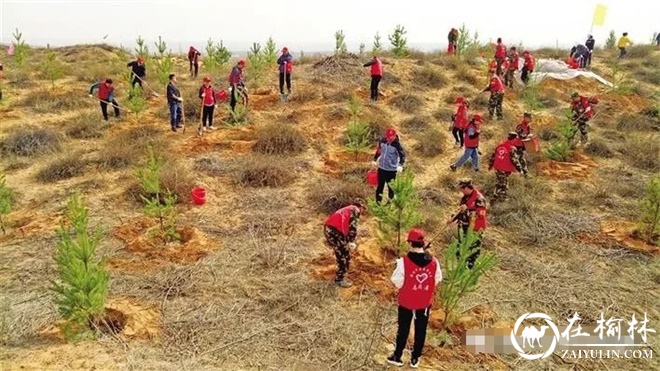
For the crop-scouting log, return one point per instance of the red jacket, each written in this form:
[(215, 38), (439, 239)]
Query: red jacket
[(523, 130), (514, 61), (209, 95), (193, 54), (583, 107), (418, 285), (471, 142), (480, 221), (235, 76), (461, 119), (503, 157), (529, 62), (496, 85), (341, 219), (500, 51), (105, 91)]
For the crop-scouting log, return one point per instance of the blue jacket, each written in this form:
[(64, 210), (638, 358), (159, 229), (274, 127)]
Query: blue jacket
[(390, 155), (282, 59)]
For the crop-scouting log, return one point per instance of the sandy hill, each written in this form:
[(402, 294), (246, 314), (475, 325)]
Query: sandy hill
[(250, 285)]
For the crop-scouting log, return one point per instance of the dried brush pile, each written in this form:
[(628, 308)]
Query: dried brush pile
[(347, 65)]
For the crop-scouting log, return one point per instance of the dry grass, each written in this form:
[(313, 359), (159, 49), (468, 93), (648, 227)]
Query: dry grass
[(213, 166), (548, 134), (635, 122), (640, 51), (330, 196), (277, 139), (255, 171), (337, 96), (443, 114), (87, 125), (390, 78), (430, 78), (377, 129), (63, 168), (306, 94), (31, 141), (46, 101), (174, 176), (417, 123), (431, 143), (639, 152), (337, 112), (648, 75), (130, 146), (599, 148), (463, 73), (407, 102)]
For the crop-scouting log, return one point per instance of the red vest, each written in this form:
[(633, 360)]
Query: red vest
[(500, 51), (524, 128), (480, 221), (529, 62), (418, 285), (583, 107), (341, 219), (514, 61), (209, 95), (496, 85), (492, 65), (502, 157), (105, 91), (377, 68), (467, 141), (461, 120)]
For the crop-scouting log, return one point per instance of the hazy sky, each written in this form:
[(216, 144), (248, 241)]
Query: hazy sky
[(310, 24)]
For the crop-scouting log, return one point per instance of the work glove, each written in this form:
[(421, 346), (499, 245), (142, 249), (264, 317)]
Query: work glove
[(91, 96), (180, 99), (203, 95), (374, 163), (215, 106), (399, 169), (352, 246)]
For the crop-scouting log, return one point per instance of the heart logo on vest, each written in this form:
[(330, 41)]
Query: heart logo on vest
[(422, 277)]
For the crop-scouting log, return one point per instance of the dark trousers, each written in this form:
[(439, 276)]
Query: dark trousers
[(233, 97), (405, 317), (622, 52), (588, 61), (475, 248), (384, 177), (339, 244), (104, 108), (458, 135), (175, 114), (375, 81), (194, 68), (508, 78), (136, 80), (285, 77), (499, 62), (207, 115), (524, 76)]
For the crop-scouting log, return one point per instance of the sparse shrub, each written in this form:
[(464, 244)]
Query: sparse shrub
[(31, 141), (330, 195), (407, 102), (279, 139), (341, 95), (650, 211), (463, 73), (64, 168), (361, 49), (55, 101), (86, 126), (128, 148), (262, 172), (599, 148), (82, 287), (6, 198), (417, 123), (431, 143), (641, 152), (212, 166), (52, 69), (176, 178), (377, 129), (340, 43), (391, 78), (632, 122), (479, 101), (337, 113), (430, 78), (651, 112), (399, 214), (458, 279), (399, 41), (649, 75)]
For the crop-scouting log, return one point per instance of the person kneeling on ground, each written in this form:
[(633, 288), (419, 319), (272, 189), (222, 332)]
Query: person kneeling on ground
[(340, 231), (472, 212), (416, 276)]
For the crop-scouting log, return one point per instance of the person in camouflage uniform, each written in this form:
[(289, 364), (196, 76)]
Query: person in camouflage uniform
[(472, 211), (340, 230), (524, 131), (582, 112), (514, 61), (505, 160), (496, 89)]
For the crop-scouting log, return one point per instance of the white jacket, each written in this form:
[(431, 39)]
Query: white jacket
[(399, 273)]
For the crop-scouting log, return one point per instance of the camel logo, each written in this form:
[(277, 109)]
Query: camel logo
[(531, 336)]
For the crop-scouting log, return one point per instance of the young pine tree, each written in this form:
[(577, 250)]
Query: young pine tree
[(142, 50), (649, 219), (136, 101), (340, 43), (6, 198), (82, 287), (399, 214), (362, 48), (257, 61), (270, 52), (610, 42), (458, 279), (399, 41), (217, 55), (377, 47), (163, 61), (20, 48), (52, 69), (562, 149)]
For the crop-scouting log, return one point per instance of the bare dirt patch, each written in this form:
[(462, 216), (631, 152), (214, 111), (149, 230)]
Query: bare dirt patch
[(581, 169)]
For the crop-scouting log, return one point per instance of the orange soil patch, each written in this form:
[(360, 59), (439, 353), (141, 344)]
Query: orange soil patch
[(581, 169), (26, 223), (127, 317), (263, 102), (543, 121), (147, 252), (338, 160), (624, 232)]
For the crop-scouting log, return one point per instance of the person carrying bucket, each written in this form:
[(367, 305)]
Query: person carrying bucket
[(389, 158), (340, 231)]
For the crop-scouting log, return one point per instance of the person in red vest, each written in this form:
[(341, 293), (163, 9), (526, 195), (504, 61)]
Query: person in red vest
[(528, 66), (193, 59), (505, 161), (460, 121), (583, 111), (376, 75), (500, 53), (207, 95), (524, 131), (472, 212), (105, 97), (236, 85), (514, 61), (340, 230), (471, 143), (285, 63), (452, 41), (492, 67), (496, 89), (416, 275)]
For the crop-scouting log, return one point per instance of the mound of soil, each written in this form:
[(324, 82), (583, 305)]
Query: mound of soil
[(336, 65), (625, 233), (580, 169)]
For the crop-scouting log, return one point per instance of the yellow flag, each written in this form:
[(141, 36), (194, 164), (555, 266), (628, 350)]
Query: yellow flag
[(599, 15)]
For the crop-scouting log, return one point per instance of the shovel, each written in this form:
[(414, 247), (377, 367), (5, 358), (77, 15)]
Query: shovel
[(153, 92), (110, 104)]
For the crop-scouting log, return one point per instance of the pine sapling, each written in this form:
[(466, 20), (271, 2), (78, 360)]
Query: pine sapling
[(340, 43), (610, 42), (562, 149), (458, 279), (649, 220), (6, 198), (236, 117), (142, 50), (163, 62), (82, 287), (51, 67), (399, 214), (399, 41), (217, 55), (362, 48), (136, 101), (377, 47), (270, 52), (20, 48), (257, 63)]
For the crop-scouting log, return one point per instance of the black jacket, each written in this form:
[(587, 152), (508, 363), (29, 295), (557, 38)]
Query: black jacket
[(140, 71), (420, 259), (590, 43), (172, 93)]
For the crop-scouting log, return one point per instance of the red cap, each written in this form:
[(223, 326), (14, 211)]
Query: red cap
[(390, 134), (477, 117), (415, 235), (207, 79), (459, 99), (140, 59), (525, 52), (285, 50), (241, 63)]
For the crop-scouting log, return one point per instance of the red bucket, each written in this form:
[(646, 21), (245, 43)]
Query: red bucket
[(372, 177), (198, 195), (533, 145), (221, 95)]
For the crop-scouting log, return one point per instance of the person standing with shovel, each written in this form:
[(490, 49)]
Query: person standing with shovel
[(285, 62), (105, 97), (138, 71), (175, 102)]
